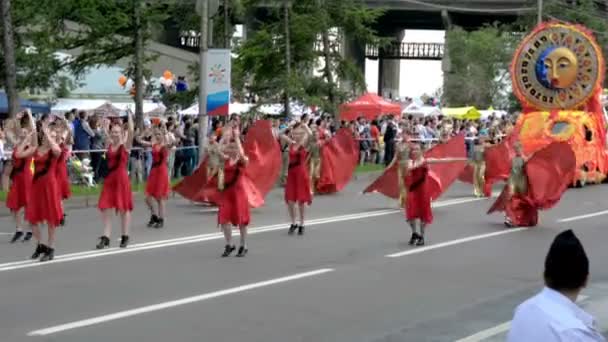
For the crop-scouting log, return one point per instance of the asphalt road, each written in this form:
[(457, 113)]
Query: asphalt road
[(351, 278)]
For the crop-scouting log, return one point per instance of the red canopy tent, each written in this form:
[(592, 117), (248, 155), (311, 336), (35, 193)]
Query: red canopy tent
[(370, 106)]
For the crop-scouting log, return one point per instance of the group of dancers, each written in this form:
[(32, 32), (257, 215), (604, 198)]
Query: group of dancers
[(238, 172)]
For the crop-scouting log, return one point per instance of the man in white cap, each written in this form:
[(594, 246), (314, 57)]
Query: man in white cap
[(552, 315)]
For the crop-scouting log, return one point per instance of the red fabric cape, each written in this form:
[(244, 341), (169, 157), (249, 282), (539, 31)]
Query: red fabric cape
[(261, 172), (441, 176), (339, 159), (549, 172), (498, 163)]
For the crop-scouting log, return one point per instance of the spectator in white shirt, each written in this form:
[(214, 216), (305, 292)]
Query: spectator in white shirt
[(552, 315)]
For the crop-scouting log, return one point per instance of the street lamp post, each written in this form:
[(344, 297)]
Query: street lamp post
[(202, 86)]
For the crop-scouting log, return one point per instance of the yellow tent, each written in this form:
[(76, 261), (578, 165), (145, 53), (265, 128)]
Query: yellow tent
[(470, 113)]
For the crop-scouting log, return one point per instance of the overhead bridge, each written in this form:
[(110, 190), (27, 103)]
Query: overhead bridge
[(397, 50)]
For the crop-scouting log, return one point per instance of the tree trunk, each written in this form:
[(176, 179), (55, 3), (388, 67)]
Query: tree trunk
[(329, 77), (138, 64), (9, 58), (227, 26), (202, 91), (286, 95)]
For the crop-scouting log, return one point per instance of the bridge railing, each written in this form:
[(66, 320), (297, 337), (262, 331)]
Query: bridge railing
[(396, 50)]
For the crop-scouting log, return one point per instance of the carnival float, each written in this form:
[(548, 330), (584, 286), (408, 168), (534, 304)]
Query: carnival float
[(558, 73)]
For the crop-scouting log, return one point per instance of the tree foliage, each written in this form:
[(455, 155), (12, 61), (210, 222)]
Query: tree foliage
[(260, 67), (479, 67), (480, 59)]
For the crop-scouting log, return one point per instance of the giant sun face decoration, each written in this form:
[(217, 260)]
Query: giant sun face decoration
[(557, 66)]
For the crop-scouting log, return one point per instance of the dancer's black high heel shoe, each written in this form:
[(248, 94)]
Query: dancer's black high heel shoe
[(228, 250), (420, 241), (18, 234), (49, 254), (40, 248), (153, 220), (160, 222), (124, 241), (413, 239), (300, 230), (104, 242), (242, 252), (292, 229), (28, 237)]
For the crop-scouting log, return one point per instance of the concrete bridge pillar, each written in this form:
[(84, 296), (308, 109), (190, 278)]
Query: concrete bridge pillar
[(389, 73), (354, 51)]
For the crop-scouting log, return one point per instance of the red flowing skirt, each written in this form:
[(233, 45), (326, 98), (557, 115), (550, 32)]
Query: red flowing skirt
[(157, 186), (19, 192), (63, 180), (297, 187), (418, 203), (44, 205), (233, 205), (521, 212), (116, 192)]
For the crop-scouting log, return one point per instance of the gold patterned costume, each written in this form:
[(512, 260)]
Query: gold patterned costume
[(403, 156), (479, 170), (215, 165), (518, 181)]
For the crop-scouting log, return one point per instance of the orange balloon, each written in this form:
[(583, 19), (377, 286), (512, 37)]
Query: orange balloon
[(122, 80), (167, 74)]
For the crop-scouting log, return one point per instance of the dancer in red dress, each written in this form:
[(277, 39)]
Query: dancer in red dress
[(536, 183), (44, 204), (157, 186), (233, 201), (298, 187), (64, 139), (116, 192), (418, 183), (21, 173)]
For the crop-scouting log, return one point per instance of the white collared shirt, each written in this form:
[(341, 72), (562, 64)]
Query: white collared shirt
[(552, 317)]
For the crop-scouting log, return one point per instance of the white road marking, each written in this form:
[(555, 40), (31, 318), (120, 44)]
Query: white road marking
[(582, 217), (453, 242), (3, 233), (174, 303), (499, 329), (211, 236)]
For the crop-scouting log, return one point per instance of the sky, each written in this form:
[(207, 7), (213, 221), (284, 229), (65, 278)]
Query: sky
[(417, 77)]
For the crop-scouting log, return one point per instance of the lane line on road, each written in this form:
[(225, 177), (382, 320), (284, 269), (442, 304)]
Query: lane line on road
[(583, 217), (174, 303), (453, 242), (3, 233), (499, 329), (211, 236)]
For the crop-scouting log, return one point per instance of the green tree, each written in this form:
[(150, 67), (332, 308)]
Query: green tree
[(479, 67), (317, 67)]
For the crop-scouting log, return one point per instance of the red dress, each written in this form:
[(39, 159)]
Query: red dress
[(418, 204), (63, 179), (297, 187), (21, 183), (116, 191), (233, 202), (158, 181), (44, 205)]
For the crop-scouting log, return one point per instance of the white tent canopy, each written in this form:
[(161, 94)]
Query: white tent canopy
[(421, 111), (65, 105), (101, 106), (234, 108), (485, 114)]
